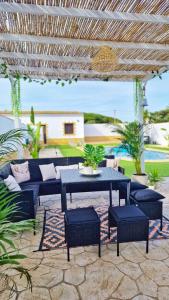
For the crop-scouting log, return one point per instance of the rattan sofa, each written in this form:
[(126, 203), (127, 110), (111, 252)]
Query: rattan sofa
[(28, 199)]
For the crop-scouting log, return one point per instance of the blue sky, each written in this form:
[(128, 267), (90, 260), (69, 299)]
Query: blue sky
[(88, 96)]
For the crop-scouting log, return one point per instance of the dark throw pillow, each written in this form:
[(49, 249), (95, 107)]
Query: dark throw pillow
[(146, 195)]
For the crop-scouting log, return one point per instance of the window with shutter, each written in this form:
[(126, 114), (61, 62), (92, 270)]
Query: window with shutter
[(68, 128)]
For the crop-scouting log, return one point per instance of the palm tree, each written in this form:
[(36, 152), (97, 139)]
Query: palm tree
[(34, 132), (9, 142), (146, 116), (132, 142)]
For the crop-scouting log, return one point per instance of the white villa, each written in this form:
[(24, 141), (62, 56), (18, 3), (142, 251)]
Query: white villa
[(57, 127), (64, 127)]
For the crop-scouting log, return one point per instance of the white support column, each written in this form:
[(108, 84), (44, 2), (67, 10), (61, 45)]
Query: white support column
[(140, 118)]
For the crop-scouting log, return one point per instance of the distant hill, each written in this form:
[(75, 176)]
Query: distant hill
[(160, 116), (91, 118)]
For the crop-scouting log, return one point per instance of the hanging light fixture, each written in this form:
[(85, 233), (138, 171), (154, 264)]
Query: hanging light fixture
[(105, 60)]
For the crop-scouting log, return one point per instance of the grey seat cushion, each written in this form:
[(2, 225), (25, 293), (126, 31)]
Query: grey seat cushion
[(126, 213), (48, 187), (146, 195)]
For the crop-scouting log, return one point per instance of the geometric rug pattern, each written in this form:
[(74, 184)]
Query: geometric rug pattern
[(53, 229)]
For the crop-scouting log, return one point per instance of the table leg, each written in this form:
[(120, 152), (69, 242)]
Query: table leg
[(128, 194), (110, 194), (63, 198)]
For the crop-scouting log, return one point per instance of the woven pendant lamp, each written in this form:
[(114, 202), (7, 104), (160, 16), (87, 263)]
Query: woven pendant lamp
[(105, 60)]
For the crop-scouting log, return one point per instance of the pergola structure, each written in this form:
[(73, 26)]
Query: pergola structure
[(52, 39), (55, 38)]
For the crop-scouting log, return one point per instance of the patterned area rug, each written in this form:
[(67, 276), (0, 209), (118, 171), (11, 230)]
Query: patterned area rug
[(53, 229)]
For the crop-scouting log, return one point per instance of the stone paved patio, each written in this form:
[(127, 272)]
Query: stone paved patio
[(133, 275)]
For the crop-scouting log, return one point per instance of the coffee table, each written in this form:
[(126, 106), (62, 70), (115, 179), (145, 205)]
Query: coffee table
[(108, 176)]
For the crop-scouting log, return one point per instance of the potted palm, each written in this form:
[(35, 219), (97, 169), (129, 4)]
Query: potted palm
[(93, 155), (154, 178), (131, 136)]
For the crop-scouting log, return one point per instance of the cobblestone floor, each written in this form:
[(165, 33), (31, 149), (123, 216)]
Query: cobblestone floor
[(133, 275)]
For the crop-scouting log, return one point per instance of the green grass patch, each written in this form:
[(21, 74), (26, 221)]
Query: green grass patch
[(68, 150), (157, 147), (162, 167), (108, 145), (50, 147)]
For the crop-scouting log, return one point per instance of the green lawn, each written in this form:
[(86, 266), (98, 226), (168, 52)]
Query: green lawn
[(157, 147), (68, 150), (163, 167)]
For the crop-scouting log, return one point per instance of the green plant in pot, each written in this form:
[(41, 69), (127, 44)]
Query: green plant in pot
[(131, 141), (154, 178), (93, 156)]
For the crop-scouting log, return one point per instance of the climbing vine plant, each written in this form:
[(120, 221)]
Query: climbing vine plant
[(15, 78), (5, 71), (138, 92)]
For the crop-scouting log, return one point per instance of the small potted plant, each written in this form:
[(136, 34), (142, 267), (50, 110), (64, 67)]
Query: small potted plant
[(154, 178), (93, 155), (132, 139)]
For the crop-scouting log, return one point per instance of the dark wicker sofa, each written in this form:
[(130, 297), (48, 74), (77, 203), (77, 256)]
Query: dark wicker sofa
[(28, 198)]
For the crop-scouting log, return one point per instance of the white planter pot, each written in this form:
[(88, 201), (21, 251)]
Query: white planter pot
[(88, 170), (151, 187), (143, 179)]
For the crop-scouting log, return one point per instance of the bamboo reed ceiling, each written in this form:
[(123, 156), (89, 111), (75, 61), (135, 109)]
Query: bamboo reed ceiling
[(55, 38)]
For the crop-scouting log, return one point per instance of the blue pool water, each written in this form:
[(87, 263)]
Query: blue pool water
[(148, 154)]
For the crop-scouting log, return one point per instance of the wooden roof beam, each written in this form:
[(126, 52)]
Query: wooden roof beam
[(78, 59), (81, 13), (81, 42), (151, 76), (81, 78), (74, 71)]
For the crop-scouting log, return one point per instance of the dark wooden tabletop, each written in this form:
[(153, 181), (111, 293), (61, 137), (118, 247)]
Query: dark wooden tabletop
[(108, 174)]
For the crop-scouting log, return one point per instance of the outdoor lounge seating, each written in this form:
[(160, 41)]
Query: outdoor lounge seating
[(132, 224), (134, 186), (28, 198), (150, 203), (82, 228)]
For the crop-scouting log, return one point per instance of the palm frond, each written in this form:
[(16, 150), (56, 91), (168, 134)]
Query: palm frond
[(9, 141)]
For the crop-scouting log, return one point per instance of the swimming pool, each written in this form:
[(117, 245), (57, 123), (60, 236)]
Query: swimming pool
[(148, 154)]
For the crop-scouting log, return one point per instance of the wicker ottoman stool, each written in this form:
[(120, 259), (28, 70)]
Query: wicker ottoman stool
[(82, 228), (150, 202), (132, 224)]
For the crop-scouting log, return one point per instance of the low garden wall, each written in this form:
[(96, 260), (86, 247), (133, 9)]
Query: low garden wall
[(157, 133), (100, 133)]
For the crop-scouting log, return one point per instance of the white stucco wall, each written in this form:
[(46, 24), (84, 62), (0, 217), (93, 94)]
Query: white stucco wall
[(55, 124), (99, 130), (6, 124), (157, 135)]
